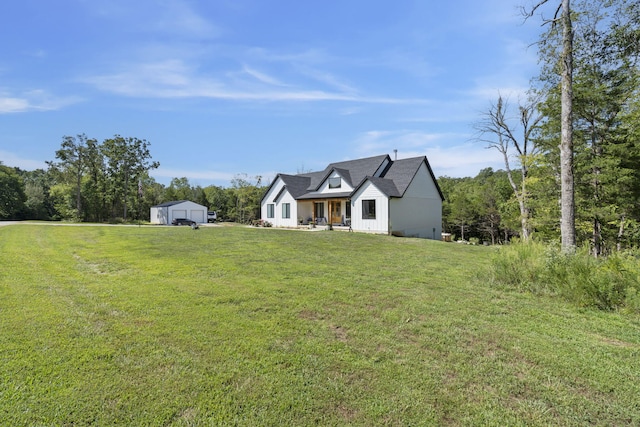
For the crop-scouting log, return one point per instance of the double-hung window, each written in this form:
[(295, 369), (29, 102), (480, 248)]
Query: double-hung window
[(270, 210), (368, 209), (286, 210)]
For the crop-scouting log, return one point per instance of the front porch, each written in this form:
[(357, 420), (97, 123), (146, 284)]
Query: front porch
[(334, 212)]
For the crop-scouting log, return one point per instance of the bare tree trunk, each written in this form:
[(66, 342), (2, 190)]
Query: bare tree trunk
[(598, 246), (567, 207), (79, 191), (520, 196), (496, 130), (126, 193), (620, 234), (597, 237)]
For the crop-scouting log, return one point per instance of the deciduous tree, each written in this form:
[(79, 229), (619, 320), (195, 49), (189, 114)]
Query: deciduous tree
[(499, 131)]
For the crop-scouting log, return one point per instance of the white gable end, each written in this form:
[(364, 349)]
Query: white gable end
[(422, 185), (335, 183), (278, 206), (367, 195), (419, 212)]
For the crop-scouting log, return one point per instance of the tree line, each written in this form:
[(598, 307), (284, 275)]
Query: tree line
[(571, 152), (571, 149), (109, 181)]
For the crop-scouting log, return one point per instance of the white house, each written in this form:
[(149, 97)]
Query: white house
[(164, 213), (374, 194)]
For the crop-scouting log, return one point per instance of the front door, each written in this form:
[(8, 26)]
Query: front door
[(334, 209)]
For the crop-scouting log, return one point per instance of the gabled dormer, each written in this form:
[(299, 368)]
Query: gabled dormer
[(336, 181)]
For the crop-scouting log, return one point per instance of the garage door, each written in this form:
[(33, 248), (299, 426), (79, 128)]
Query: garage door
[(178, 213), (198, 216)]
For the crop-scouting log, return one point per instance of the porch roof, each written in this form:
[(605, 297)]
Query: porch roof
[(318, 195)]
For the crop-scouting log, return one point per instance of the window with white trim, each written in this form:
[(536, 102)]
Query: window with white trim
[(271, 210), (286, 210)]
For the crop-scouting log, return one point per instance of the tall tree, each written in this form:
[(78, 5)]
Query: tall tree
[(128, 161), (94, 186), (605, 79), (180, 189), (497, 130), (72, 165), (603, 84), (12, 197), (37, 185), (246, 195), (217, 200), (567, 193)]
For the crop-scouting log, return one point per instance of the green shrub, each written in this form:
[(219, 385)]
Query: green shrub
[(519, 266), (605, 283)]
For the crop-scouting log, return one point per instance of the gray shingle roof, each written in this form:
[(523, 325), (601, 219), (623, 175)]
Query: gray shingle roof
[(315, 179), (318, 195), (359, 169), (393, 181), (387, 186), (167, 204), (401, 172), (296, 184), (345, 174)]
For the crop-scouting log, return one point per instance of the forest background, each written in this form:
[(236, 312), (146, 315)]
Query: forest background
[(109, 181)]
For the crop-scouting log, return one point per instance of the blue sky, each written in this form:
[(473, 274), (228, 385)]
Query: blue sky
[(257, 87)]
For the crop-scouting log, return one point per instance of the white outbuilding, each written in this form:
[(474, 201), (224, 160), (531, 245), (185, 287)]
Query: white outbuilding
[(164, 213)]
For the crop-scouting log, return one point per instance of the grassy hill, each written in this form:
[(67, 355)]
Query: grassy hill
[(239, 326)]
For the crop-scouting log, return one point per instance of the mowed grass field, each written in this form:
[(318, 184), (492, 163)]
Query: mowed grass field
[(264, 327)]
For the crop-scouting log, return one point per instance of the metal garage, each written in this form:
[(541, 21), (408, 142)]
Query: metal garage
[(164, 213)]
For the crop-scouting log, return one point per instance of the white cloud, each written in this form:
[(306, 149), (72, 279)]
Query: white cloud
[(14, 160), (262, 77), (13, 105), (191, 174), (174, 17), (374, 142), (328, 79), (34, 100), (307, 57), (449, 153), (463, 159), (178, 17), (175, 79)]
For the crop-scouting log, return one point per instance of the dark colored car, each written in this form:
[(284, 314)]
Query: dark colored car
[(183, 221)]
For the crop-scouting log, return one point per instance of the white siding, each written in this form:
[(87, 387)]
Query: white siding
[(292, 221), (368, 191), (419, 212), (305, 210), (158, 215), (268, 199), (285, 197), (344, 187)]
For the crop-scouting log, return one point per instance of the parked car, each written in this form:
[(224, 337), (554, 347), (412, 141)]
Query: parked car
[(183, 221), (212, 216)]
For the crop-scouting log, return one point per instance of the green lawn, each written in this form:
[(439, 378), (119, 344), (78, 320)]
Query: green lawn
[(252, 327)]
